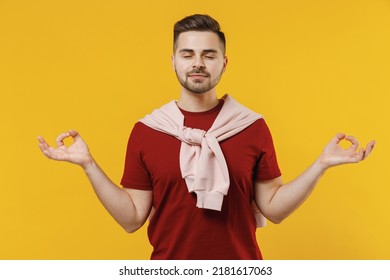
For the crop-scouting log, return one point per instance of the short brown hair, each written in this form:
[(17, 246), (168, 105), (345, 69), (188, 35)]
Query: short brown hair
[(198, 22)]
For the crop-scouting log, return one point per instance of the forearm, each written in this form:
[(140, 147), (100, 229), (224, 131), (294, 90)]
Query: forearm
[(277, 200), (288, 197), (115, 199), (130, 208)]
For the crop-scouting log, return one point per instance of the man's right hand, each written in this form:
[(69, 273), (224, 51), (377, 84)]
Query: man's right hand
[(77, 153), (129, 207)]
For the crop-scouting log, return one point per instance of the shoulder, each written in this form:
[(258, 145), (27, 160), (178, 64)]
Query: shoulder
[(261, 123), (145, 136), (261, 133), (140, 128), (259, 126), (140, 132)]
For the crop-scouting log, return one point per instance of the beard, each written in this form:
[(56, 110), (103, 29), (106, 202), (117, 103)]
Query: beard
[(199, 86)]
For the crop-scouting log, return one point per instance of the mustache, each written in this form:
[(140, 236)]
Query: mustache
[(198, 71)]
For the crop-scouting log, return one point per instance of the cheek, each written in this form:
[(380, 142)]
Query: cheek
[(217, 69), (180, 71), (181, 68)]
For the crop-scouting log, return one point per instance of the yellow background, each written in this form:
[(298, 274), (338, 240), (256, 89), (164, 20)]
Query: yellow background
[(312, 68)]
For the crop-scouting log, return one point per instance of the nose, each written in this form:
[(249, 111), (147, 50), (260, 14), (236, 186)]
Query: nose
[(198, 63)]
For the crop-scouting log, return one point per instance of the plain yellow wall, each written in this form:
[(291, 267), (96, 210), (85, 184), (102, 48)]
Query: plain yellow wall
[(312, 68)]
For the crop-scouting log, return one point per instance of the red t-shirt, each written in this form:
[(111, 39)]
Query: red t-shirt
[(180, 230)]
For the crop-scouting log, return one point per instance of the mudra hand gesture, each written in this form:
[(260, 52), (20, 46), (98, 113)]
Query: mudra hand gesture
[(77, 153), (333, 154)]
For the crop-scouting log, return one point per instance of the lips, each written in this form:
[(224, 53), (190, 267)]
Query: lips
[(198, 75)]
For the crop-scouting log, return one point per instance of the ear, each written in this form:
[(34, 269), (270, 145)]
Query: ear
[(173, 62), (225, 62)]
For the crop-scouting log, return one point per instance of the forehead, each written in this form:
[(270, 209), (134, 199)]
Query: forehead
[(198, 41)]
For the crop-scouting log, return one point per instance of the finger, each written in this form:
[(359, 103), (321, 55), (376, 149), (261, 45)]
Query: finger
[(338, 138), (60, 139), (54, 153), (46, 150), (43, 148), (42, 143), (354, 142), (75, 135), (370, 146), (356, 157), (41, 140), (49, 152), (360, 154)]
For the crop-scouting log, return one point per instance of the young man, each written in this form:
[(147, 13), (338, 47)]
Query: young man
[(203, 169)]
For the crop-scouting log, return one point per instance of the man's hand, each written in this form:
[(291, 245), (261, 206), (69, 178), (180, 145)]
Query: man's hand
[(276, 200), (77, 153), (129, 207), (334, 154)]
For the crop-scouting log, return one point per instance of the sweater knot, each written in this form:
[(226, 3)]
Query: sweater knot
[(192, 136)]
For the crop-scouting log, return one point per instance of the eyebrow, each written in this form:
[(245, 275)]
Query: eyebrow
[(203, 51)]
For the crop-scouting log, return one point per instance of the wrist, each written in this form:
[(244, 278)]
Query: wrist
[(321, 165), (89, 164)]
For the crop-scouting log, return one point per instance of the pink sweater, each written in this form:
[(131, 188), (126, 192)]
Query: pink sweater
[(202, 163)]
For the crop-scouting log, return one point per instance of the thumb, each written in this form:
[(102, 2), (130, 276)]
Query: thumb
[(338, 138), (75, 135)]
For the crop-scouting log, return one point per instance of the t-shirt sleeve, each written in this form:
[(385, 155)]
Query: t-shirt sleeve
[(135, 174), (267, 166)]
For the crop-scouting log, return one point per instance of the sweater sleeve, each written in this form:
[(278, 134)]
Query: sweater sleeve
[(135, 174)]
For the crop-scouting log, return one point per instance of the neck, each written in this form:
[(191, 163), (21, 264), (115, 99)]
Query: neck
[(193, 102)]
